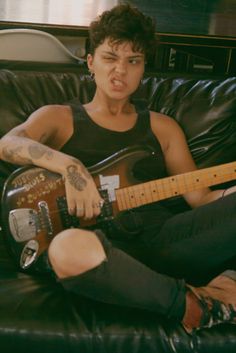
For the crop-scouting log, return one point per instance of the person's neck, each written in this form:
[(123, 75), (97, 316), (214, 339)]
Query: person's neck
[(111, 106)]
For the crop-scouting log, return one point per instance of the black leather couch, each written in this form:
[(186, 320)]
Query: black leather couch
[(36, 314)]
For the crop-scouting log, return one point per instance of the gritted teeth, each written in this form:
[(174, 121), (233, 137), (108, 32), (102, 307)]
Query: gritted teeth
[(117, 82)]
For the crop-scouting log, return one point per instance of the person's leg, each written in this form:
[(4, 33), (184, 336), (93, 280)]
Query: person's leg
[(197, 242), (87, 263)]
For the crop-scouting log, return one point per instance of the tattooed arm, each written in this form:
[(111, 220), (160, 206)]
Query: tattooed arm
[(38, 142), (18, 149)]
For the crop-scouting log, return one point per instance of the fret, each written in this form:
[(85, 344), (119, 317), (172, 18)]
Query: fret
[(141, 194), (121, 199), (132, 197), (147, 191), (155, 190), (160, 189), (126, 197)]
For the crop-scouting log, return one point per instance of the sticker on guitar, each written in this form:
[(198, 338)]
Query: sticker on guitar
[(110, 183)]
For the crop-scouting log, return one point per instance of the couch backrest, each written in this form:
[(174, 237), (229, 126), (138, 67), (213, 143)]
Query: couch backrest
[(205, 108)]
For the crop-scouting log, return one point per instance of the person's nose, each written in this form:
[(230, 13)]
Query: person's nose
[(121, 67)]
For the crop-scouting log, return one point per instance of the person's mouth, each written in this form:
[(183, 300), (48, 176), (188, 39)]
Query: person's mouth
[(117, 83)]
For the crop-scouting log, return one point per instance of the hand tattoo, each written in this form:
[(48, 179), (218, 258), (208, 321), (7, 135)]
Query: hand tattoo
[(82, 167), (75, 178)]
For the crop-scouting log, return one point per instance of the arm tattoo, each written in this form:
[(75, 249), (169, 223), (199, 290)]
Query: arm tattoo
[(83, 169), (12, 155), (75, 178), (37, 151)]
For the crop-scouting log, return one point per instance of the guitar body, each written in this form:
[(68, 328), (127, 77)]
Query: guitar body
[(34, 204)]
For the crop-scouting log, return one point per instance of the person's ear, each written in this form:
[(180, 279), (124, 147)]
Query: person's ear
[(90, 62)]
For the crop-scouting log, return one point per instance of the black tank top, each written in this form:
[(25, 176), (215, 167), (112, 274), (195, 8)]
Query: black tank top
[(91, 143)]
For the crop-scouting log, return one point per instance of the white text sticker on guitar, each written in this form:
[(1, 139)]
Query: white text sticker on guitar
[(110, 183)]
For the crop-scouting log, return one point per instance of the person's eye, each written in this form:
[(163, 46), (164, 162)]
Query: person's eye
[(109, 58), (134, 61)]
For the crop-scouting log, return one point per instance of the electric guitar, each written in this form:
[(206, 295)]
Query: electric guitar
[(34, 207)]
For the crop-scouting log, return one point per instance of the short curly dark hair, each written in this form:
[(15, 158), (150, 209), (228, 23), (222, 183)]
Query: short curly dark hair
[(123, 23)]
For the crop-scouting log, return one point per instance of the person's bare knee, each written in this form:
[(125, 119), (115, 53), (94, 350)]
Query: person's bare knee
[(75, 251)]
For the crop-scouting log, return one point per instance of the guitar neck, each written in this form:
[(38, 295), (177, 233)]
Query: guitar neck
[(160, 189)]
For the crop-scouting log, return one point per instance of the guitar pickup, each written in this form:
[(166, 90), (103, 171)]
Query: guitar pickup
[(107, 210), (67, 220)]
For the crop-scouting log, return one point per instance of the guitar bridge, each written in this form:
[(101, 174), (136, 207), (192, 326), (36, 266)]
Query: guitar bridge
[(24, 224)]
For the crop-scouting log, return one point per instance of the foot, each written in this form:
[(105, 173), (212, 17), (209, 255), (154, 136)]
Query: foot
[(211, 305), (226, 283)]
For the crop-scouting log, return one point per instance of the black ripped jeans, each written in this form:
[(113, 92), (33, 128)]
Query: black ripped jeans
[(147, 270)]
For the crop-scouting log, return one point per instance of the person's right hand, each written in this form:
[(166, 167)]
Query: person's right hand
[(83, 198)]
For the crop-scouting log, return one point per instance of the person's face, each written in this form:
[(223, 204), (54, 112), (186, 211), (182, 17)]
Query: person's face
[(117, 69)]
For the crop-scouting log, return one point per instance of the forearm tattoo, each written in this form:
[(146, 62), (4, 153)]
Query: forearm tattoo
[(37, 151), (75, 178), (12, 155)]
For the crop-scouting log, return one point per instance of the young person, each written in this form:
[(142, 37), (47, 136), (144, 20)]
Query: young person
[(109, 266)]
